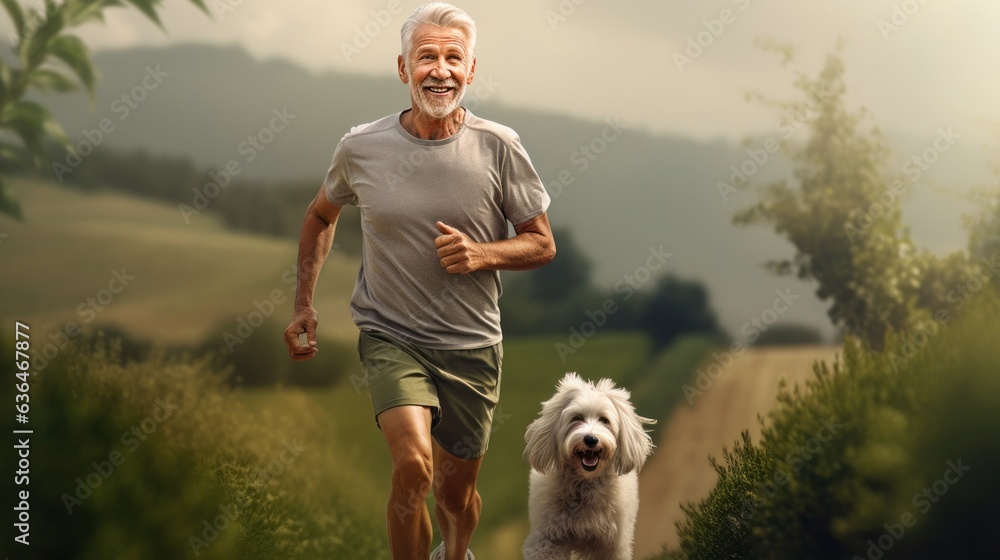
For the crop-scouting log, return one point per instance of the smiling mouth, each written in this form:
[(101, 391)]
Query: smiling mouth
[(589, 459), (438, 90)]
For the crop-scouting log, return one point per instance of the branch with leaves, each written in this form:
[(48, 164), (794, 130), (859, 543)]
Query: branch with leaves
[(48, 60)]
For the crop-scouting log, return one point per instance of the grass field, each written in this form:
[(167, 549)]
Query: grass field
[(189, 278)]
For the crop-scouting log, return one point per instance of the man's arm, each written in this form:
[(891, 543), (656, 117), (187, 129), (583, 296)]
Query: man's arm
[(315, 241), (532, 247)]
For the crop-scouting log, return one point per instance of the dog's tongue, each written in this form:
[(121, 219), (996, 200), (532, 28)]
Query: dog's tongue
[(590, 459)]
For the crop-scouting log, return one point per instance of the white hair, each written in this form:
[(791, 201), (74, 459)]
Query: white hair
[(442, 15)]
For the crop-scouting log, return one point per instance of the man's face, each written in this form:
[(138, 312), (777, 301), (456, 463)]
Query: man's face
[(437, 69)]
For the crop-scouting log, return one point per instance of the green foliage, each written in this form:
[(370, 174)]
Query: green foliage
[(45, 54), (785, 334), (262, 359), (843, 217), (568, 274), (864, 457), (677, 307), (159, 459)]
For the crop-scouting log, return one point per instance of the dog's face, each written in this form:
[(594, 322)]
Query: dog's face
[(588, 428)]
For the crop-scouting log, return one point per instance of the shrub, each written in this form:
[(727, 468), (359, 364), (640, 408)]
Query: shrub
[(789, 335), (159, 459), (870, 459)]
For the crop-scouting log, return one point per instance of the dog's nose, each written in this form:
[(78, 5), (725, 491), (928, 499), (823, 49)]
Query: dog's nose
[(591, 441)]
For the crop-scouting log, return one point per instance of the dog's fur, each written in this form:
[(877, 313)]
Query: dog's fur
[(579, 510)]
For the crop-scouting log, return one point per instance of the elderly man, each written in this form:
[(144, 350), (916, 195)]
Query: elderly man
[(436, 187)]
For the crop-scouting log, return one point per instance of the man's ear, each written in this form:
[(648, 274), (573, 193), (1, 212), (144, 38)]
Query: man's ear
[(401, 63), (472, 72)]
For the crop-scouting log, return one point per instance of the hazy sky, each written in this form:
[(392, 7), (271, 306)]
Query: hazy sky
[(917, 64)]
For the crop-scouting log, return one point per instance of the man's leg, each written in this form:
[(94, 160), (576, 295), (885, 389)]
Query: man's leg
[(407, 430), (457, 502)]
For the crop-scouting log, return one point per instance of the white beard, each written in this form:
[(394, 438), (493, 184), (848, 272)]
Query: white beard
[(433, 108)]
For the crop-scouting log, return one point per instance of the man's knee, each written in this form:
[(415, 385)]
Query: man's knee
[(455, 497), (413, 473)]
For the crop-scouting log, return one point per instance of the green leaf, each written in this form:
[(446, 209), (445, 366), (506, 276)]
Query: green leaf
[(82, 11), (35, 44), (75, 54), (13, 158), (32, 123), (9, 204), (50, 80), (16, 15)]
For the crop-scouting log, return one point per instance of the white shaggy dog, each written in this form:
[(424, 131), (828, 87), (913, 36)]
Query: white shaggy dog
[(585, 449)]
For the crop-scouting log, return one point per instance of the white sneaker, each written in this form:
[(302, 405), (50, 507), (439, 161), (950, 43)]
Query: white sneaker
[(438, 553)]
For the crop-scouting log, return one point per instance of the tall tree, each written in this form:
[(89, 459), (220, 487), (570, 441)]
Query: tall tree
[(45, 54), (842, 215)]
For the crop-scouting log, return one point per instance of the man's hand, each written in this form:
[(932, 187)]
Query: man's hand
[(303, 321), (458, 253)]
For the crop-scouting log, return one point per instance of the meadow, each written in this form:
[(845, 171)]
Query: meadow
[(185, 282)]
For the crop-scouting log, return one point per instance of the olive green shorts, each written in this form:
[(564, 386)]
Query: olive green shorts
[(461, 387)]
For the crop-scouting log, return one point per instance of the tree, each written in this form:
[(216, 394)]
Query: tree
[(44, 55), (843, 218), (677, 307), (567, 275)]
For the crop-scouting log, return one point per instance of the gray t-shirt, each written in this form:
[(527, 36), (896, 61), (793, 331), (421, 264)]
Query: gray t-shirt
[(476, 181)]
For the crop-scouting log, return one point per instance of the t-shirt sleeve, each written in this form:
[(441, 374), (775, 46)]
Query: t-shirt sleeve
[(337, 184), (524, 195)]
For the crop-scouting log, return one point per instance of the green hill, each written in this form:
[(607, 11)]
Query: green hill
[(75, 250)]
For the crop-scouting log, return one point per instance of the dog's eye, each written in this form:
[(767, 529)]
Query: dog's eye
[(604, 420), (578, 418)]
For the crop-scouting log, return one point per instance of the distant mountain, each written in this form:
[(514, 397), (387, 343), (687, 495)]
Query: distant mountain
[(621, 191)]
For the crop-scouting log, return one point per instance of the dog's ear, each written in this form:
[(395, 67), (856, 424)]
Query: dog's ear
[(540, 446), (542, 437), (634, 444)]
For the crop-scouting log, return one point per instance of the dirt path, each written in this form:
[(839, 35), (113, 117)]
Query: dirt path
[(679, 471)]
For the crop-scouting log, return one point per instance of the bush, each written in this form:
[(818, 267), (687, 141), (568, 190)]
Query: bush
[(159, 459), (262, 360), (789, 335), (870, 457)]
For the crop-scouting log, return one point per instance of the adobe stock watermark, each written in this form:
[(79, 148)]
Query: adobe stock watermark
[(222, 8), (752, 330), (564, 10), (131, 439), (794, 462), (861, 219), (627, 286), (922, 502), (122, 107), (34, 19), (758, 157), (87, 311), (900, 16), (213, 528), (587, 154), (250, 148), (697, 44), (958, 297), (364, 34)]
